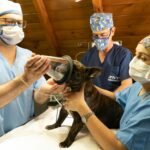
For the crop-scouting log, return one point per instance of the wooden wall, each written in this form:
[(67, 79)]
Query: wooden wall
[(70, 22), (132, 20)]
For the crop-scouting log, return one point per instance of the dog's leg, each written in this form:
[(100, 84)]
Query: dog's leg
[(62, 115), (75, 128)]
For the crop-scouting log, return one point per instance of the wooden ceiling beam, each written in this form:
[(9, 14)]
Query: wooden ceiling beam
[(45, 21), (97, 5)]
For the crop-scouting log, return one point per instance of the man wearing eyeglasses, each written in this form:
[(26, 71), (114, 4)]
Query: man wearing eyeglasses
[(112, 58), (21, 80)]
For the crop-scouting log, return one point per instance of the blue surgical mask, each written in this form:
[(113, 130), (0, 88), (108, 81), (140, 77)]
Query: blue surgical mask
[(101, 43)]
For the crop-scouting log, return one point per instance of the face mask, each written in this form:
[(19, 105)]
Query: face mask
[(139, 70), (60, 68), (101, 43), (11, 35)]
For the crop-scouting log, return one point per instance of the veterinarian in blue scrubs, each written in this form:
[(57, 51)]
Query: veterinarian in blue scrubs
[(134, 132), (112, 58), (21, 80)]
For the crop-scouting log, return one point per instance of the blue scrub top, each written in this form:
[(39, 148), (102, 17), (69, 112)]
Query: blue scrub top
[(134, 130), (21, 109), (115, 66)]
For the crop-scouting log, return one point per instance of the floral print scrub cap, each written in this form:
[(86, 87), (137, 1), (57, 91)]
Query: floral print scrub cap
[(146, 43), (101, 21)]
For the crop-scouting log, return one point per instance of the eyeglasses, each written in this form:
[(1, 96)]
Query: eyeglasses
[(102, 35), (12, 22)]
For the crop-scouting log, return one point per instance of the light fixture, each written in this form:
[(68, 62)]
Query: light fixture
[(77, 1)]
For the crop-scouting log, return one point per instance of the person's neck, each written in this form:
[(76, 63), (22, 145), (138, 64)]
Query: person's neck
[(145, 88), (103, 54), (9, 52)]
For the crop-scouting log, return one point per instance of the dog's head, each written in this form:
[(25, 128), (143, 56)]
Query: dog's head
[(81, 74)]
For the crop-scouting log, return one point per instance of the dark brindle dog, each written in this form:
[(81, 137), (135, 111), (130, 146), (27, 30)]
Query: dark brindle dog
[(106, 109)]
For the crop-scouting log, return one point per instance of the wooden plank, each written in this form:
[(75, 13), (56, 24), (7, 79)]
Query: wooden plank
[(28, 9), (35, 35), (122, 2), (75, 53), (31, 18), (133, 30), (129, 9), (73, 34), (67, 4), (44, 45), (84, 43), (131, 21), (130, 41), (67, 14), (72, 24), (33, 26), (28, 44), (97, 5), (39, 47), (49, 31)]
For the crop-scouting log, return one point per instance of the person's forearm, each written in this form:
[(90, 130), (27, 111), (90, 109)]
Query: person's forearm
[(11, 90), (103, 135), (120, 88), (124, 84), (106, 93)]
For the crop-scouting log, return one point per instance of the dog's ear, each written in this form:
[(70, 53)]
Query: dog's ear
[(93, 72)]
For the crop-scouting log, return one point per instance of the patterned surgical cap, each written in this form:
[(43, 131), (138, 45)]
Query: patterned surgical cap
[(101, 21), (146, 43)]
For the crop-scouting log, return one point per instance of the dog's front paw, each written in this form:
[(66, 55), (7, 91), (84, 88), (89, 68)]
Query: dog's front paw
[(65, 144), (49, 127)]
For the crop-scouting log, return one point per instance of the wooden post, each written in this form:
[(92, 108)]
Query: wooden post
[(98, 6), (45, 21)]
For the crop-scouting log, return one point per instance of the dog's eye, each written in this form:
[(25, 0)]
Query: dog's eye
[(78, 75)]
